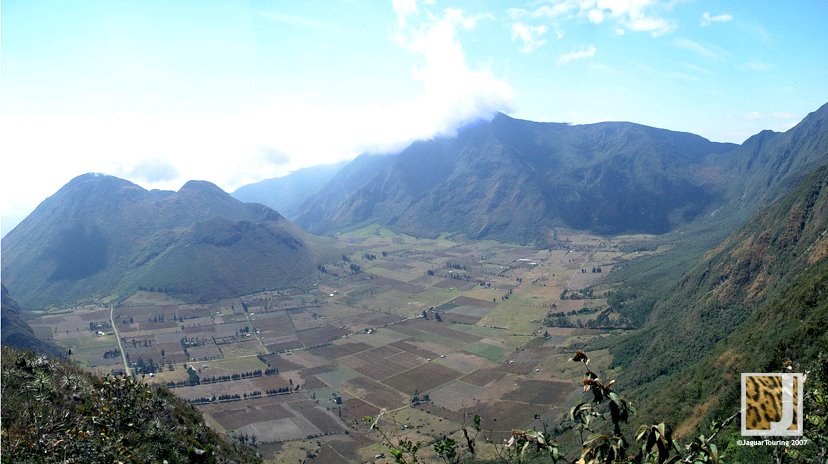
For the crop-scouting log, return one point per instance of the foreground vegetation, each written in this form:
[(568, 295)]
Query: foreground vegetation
[(600, 421), (54, 411)]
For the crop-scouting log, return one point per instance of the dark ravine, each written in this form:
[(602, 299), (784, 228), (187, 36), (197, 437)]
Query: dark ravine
[(17, 333)]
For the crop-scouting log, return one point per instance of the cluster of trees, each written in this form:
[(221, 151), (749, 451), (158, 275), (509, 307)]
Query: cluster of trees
[(192, 376), (136, 343), (437, 316), (113, 353), (369, 256), (169, 289), (93, 326), (223, 398), (561, 321), (157, 318), (585, 310), (188, 342), (584, 294), (244, 438), (278, 391), (504, 297), (237, 376), (602, 321), (146, 367), (418, 398)]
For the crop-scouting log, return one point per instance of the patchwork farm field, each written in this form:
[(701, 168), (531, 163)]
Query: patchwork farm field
[(424, 333)]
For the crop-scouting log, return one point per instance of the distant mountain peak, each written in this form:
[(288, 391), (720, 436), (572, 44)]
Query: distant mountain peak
[(201, 185), (95, 178)]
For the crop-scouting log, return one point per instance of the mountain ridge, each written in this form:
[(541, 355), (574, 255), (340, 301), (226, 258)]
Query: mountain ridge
[(515, 180), (553, 172), (101, 236)]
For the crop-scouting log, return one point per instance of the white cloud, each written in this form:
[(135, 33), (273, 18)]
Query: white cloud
[(637, 15), (404, 8), (529, 35), (784, 115), (755, 65), (151, 171), (596, 16), (708, 19), (583, 52), (299, 21), (633, 15), (257, 141), (453, 92), (792, 119), (602, 68), (696, 69), (706, 50)]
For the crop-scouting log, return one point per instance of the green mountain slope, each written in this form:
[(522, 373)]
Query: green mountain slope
[(512, 180), (53, 411), (751, 303), (100, 238)]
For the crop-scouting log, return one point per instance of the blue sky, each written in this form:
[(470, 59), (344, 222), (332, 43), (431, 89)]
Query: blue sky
[(235, 92)]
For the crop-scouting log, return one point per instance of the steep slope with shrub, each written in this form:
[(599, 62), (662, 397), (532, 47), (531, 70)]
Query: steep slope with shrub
[(749, 305), (53, 411)]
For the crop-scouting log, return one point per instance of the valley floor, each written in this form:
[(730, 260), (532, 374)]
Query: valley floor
[(431, 332)]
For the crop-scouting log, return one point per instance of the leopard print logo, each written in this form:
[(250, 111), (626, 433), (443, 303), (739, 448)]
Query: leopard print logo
[(772, 404)]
